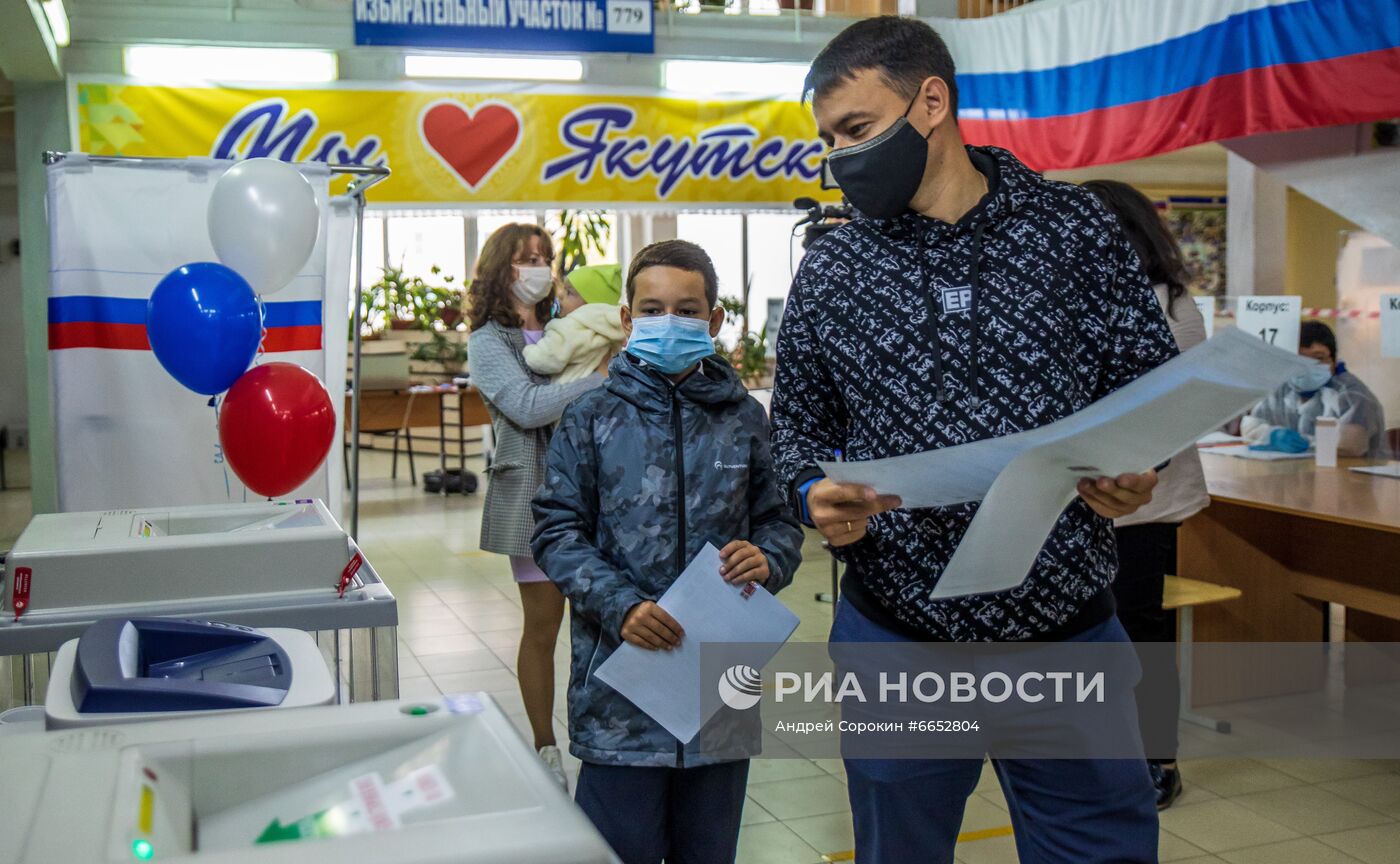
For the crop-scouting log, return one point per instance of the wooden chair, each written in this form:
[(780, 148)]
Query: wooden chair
[(1184, 595)]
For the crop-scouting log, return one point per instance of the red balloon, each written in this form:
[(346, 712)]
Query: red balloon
[(276, 426)]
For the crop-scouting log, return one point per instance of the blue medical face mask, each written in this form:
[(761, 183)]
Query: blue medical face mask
[(670, 343), (1311, 379)]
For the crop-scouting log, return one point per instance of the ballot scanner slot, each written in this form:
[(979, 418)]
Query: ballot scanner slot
[(164, 664), (274, 518)]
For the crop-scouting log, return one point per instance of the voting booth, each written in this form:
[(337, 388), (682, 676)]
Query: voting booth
[(268, 564), (407, 783)]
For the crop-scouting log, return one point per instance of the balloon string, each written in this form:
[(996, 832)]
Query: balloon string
[(219, 448), (262, 323)]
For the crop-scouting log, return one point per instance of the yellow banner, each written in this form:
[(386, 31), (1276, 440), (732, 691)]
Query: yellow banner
[(481, 149)]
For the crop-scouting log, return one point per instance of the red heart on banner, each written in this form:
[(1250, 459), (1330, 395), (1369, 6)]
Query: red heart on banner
[(471, 143)]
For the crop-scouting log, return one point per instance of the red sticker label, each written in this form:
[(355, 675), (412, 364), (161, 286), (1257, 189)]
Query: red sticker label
[(20, 596), (371, 794), (748, 590), (349, 572)]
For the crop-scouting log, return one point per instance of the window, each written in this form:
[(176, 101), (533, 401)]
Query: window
[(420, 240), (721, 235), (374, 250), (487, 221), (418, 243), (773, 257)]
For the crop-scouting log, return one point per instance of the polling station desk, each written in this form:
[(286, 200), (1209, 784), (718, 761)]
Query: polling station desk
[(427, 405), (1293, 538), (394, 411)]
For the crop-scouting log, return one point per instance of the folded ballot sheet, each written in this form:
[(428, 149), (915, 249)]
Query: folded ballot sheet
[(1025, 480), (667, 684)]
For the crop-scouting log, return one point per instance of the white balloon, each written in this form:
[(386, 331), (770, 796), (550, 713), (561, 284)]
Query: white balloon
[(263, 220)]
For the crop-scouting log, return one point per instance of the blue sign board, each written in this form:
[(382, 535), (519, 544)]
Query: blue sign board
[(624, 26)]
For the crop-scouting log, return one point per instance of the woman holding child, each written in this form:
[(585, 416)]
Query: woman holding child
[(510, 302)]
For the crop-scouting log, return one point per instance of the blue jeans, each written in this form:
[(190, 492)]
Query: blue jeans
[(1064, 811)]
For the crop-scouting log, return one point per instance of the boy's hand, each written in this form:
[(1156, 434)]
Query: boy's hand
[(743, 562), (649, 626)]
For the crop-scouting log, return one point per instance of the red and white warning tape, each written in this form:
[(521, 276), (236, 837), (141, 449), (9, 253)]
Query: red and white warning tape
[(1341, 313)]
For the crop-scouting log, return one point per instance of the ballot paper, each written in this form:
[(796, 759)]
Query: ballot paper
[(1026, 479), (666, 684), (1218, 439), (1242, 451), (1390, 470)]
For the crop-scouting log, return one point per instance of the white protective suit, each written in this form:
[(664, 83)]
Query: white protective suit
[(1358, 413)]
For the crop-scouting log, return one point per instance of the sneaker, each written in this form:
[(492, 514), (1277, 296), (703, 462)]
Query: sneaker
[(1167, 782), (554, 761)]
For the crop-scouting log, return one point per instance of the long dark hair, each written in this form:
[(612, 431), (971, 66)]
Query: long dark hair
[(1154, 244), (489, 297)]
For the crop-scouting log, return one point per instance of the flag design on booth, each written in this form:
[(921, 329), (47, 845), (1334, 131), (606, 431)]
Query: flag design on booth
[(90, 321), (1072, 85)]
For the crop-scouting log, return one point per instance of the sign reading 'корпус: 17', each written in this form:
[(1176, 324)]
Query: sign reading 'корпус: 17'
[(513, 25)]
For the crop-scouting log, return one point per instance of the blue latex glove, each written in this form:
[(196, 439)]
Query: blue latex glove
[(1284, 441)]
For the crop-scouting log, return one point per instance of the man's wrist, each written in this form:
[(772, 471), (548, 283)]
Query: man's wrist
[(804, 513)]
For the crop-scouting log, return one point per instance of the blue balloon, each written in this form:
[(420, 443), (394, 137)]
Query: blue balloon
[(204, 325)]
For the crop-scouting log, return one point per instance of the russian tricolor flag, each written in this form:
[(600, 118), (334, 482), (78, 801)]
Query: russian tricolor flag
[(1066, 85), (90, 321)]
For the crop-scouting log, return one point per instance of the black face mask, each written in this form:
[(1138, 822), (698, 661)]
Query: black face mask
[(881, 176)]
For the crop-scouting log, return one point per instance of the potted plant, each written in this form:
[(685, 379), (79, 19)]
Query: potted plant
[(749, 354), (444, 303), (450, 313), (399, 301), (447, 352), (750, 359)]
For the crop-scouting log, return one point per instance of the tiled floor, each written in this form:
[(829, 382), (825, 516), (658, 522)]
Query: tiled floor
[(460, 619)]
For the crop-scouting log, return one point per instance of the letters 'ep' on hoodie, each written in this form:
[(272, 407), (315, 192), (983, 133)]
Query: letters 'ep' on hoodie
[(910, 334)]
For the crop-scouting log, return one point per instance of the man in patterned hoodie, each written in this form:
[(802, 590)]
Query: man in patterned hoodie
[(972, 298)]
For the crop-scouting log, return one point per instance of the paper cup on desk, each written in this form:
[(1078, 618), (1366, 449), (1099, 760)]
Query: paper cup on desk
[(1326, 437)]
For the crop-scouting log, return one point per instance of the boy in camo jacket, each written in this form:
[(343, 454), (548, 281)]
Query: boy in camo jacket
[(671, 453)]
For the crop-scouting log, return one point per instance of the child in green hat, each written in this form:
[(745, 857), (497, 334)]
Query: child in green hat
[(587, 327)]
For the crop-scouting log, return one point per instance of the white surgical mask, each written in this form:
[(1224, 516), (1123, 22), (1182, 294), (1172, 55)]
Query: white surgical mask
[(533, 285)]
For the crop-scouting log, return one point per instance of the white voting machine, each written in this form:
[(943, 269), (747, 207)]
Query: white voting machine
[(264, 564), (398, 783)]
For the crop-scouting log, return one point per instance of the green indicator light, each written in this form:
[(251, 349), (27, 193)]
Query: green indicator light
[(418, 710), (143, 850)]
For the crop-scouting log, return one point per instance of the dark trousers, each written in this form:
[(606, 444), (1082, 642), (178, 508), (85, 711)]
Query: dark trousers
[(1064, 811), (679, 815), (1147, 553)]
